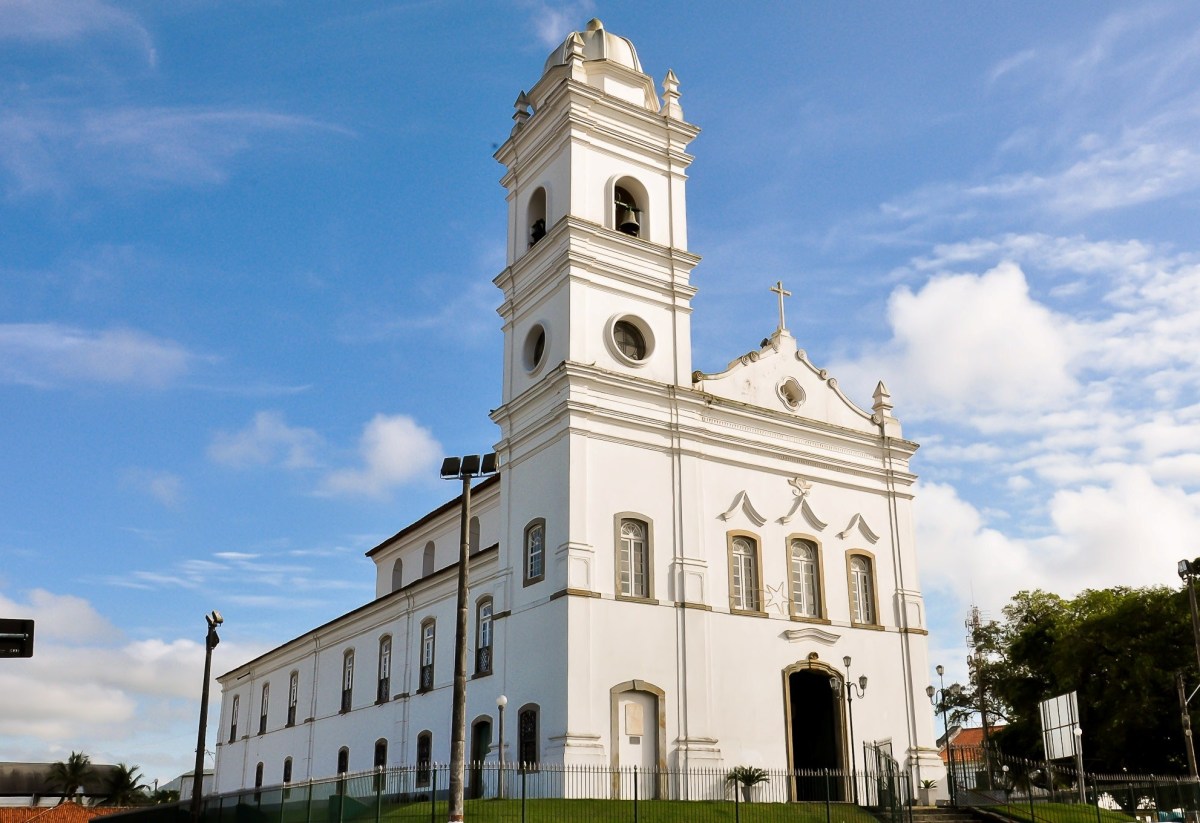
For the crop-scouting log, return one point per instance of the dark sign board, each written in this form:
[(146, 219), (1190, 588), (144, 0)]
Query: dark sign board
[(16, 638)]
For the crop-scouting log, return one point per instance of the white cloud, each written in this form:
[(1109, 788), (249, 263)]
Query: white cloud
[(48, 354), (165, 487), (68, 21), (552, 23), (267, 440), (974, 341), (395, 450), (46, 151)]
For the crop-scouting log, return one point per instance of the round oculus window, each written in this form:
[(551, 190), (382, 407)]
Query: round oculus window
[(535, 347), (629, 340)]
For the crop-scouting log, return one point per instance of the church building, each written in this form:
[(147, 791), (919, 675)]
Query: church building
[(672, 569)]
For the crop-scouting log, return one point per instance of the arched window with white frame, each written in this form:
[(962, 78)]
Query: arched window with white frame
[(744, 587), (483, 636), (535, 551), (383, 688), (428, 646), (804, 571), (347, 679), (862, 590), (633, 558)]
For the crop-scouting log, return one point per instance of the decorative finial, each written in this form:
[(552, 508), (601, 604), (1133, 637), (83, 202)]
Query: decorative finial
[(594, 24), (883, 401), (522, 112), (782, 292), (670, 107)]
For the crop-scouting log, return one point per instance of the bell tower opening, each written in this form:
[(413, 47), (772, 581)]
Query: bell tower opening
[(629, 206), (815, 735), (535, 216)]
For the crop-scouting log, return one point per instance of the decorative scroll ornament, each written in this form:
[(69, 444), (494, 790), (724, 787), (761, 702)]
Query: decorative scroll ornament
[(801, 488), (858, 520), (810, 633), (742, 501)]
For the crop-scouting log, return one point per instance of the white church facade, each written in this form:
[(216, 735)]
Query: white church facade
[(671, 566)]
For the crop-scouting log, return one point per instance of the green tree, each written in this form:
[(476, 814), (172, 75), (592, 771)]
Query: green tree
[(68, 776), (1117, 648), (125, 787)]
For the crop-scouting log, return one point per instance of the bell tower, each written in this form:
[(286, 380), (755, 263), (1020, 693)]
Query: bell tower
[(598, 268)]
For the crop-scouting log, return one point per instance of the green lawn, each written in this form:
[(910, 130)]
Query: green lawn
[(1059, 813), (622, 811)]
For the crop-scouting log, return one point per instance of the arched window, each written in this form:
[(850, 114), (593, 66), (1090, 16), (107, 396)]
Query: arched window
[(428, 636), (633, 558), (473, 535), (383, 691), (397, 574), (743, 574), (427, 560), (258, 775), (527, 736), (805, 573), (262, 709), (535, 551), (424, 757), (862, 590), (287, 770), (483, 636), (381, 748), (347, 679), (233, 717), (293, 697), (535, 216), (343, 766), (629, 207)]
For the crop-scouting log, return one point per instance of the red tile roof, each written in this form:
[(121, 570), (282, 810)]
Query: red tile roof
[(62, 813)]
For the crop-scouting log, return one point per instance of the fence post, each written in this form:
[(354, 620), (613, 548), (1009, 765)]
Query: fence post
[(737, 812), (308, 803), (523, 794), (828, 808), (636, 780), (1096, 792), (1029, 793), (432, 794), (379, 778)]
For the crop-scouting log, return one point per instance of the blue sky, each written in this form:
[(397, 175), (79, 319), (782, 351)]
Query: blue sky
[(246, 253)]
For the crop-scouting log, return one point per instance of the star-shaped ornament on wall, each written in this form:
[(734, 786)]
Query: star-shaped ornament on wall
[(776, 597)]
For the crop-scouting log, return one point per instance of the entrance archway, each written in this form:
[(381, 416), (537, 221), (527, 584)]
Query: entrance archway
[(816, 740), (481, 744)]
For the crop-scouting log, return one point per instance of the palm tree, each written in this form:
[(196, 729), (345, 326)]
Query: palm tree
[(69, 775), (125, 787)]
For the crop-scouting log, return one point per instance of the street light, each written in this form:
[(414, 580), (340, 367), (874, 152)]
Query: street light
[(213, 619), (464, 469), (501, 702), (851, 691), (938, 698), (1188, 571), (1079, 764)]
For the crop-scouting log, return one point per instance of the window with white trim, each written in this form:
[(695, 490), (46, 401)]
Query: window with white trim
[(805, 573), (862, 590), (633, 559), (424, 757), (428, 636), (535, 551), (293, 697), (483, 636), (233, 717), (262, 709), (347, 679), (383, 690), (744, 589)]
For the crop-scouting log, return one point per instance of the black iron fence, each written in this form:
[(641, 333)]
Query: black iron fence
[(549, 792), (1055, 792)]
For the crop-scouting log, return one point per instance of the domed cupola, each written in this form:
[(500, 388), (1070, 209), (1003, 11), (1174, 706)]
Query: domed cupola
[(601, 60), (598, 44)]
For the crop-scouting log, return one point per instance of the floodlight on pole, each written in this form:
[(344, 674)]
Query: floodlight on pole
[(1079, 765), (212, 619), (851, 691), (464, 469)]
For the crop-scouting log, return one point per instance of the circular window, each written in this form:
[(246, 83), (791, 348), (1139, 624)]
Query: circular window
[(629, 340), (535, 347)]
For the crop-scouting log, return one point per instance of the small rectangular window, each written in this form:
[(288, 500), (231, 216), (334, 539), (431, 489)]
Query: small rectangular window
[(428, 634), (535, 551)]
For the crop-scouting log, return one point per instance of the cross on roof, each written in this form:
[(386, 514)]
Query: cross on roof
[(782, 292)]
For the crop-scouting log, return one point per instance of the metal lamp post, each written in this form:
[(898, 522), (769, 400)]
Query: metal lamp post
[(1079, 765), (937, 697), (213, 619), (464, 469), (851, 691), (1188, 570), (501, 702)]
